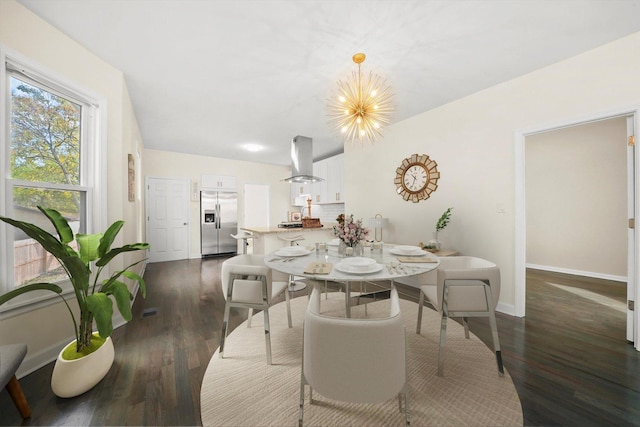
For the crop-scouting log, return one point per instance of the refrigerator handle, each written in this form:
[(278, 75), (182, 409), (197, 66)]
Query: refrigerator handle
[(218, 216)]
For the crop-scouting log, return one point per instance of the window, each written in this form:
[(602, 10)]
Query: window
[(50, 142)]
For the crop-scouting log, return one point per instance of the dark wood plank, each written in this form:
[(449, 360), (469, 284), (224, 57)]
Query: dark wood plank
[(568, 358)]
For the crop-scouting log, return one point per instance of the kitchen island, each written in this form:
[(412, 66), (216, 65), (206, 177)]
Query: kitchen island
[(268, 237)]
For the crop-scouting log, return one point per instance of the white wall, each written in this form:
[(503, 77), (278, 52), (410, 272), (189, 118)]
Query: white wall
[(176, 165), (576, 203), (473, 139), (45, 330)]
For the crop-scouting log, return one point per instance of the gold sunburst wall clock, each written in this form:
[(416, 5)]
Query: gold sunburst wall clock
[(416, 178)]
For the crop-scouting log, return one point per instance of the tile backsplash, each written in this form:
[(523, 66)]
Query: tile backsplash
[(327, 213)]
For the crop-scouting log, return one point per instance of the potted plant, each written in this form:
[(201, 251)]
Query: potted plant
[(443, 221), (92, 296)]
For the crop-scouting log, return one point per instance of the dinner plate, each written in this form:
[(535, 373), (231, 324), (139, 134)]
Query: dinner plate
[(359, 263), (407, 251), (300, 252), (346, 268)]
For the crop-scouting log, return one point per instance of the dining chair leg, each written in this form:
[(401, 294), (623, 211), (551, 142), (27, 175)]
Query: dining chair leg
[(267, 335), (465, 323), (301, 404), (287, 297), (250, 317), (494, 329), (420, 306), (443, 338), (223, 334)]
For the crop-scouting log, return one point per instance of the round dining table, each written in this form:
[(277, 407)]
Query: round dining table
[(386, 264)]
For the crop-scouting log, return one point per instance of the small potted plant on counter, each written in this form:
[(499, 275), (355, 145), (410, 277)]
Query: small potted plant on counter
[(434, 244)]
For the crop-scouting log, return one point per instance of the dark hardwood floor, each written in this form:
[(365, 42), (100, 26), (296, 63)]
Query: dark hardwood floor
[(568, 358)]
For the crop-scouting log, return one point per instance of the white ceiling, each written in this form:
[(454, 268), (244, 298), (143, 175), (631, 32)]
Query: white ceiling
[(206, 76)]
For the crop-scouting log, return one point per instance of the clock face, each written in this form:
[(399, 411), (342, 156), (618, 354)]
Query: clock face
[(417, 178)]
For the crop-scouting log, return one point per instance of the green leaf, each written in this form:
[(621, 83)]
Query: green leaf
[(443, 220), (105, 259), (109, 237), (102, 308), (60, 223), (88, 246), (28, 288), (48, 241), (123, 298), (79, 272), (133, 276)]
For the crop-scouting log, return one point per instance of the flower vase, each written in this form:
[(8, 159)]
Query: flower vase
[(358, 249), (342, 247), (435, 243)]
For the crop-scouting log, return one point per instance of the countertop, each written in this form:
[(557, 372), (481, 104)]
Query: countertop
[(276, 229)]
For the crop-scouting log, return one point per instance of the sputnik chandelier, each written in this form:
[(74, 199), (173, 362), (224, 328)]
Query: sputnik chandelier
[(362, 107)]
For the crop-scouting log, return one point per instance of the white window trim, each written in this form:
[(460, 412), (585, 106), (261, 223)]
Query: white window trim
[(95, 162)]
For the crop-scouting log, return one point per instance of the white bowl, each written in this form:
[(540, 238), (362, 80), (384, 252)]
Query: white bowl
[(359, 263), (408, 249), (293, 250)]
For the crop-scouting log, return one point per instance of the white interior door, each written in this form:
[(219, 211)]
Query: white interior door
[(632, 320), (168, 219)]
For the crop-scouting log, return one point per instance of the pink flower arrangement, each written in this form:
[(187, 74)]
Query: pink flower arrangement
[(350, 231)]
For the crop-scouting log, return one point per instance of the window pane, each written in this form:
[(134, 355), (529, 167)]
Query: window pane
[(32, 263), (45, 135)]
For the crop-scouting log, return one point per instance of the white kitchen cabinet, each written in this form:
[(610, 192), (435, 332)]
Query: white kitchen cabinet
[(219, 182), (319, 189), (331, 189), (335, 187), (298, 190)]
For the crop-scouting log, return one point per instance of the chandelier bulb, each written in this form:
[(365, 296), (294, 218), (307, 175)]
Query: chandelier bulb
[(359, 58)]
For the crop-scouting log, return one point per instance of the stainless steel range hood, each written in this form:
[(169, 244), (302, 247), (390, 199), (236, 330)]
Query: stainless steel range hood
[(302, 161)]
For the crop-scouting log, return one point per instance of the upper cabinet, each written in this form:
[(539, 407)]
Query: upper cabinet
[(335, 176), (319, 189), (219, 182), (297, 190), (331, 189)]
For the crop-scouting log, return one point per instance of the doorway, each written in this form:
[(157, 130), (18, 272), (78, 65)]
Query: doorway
[(167, 219), (573, 202)]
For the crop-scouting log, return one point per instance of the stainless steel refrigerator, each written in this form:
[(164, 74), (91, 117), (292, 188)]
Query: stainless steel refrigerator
[(219, 219)]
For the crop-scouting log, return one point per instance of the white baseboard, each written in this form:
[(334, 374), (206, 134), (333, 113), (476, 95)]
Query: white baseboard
[(509, 309), (578, 272)]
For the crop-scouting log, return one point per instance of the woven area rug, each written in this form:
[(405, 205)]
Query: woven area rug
[(242, 390)]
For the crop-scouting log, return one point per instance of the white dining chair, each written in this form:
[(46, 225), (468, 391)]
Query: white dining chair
[(247, 282), (465, 287), (354, 360)]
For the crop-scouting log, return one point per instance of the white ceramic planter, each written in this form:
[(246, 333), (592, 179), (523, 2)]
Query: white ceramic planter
[(73, 377)]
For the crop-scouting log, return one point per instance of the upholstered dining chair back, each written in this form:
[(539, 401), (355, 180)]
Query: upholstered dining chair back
[(469, 275), (248, 283), (354, 360), (466, 287)]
